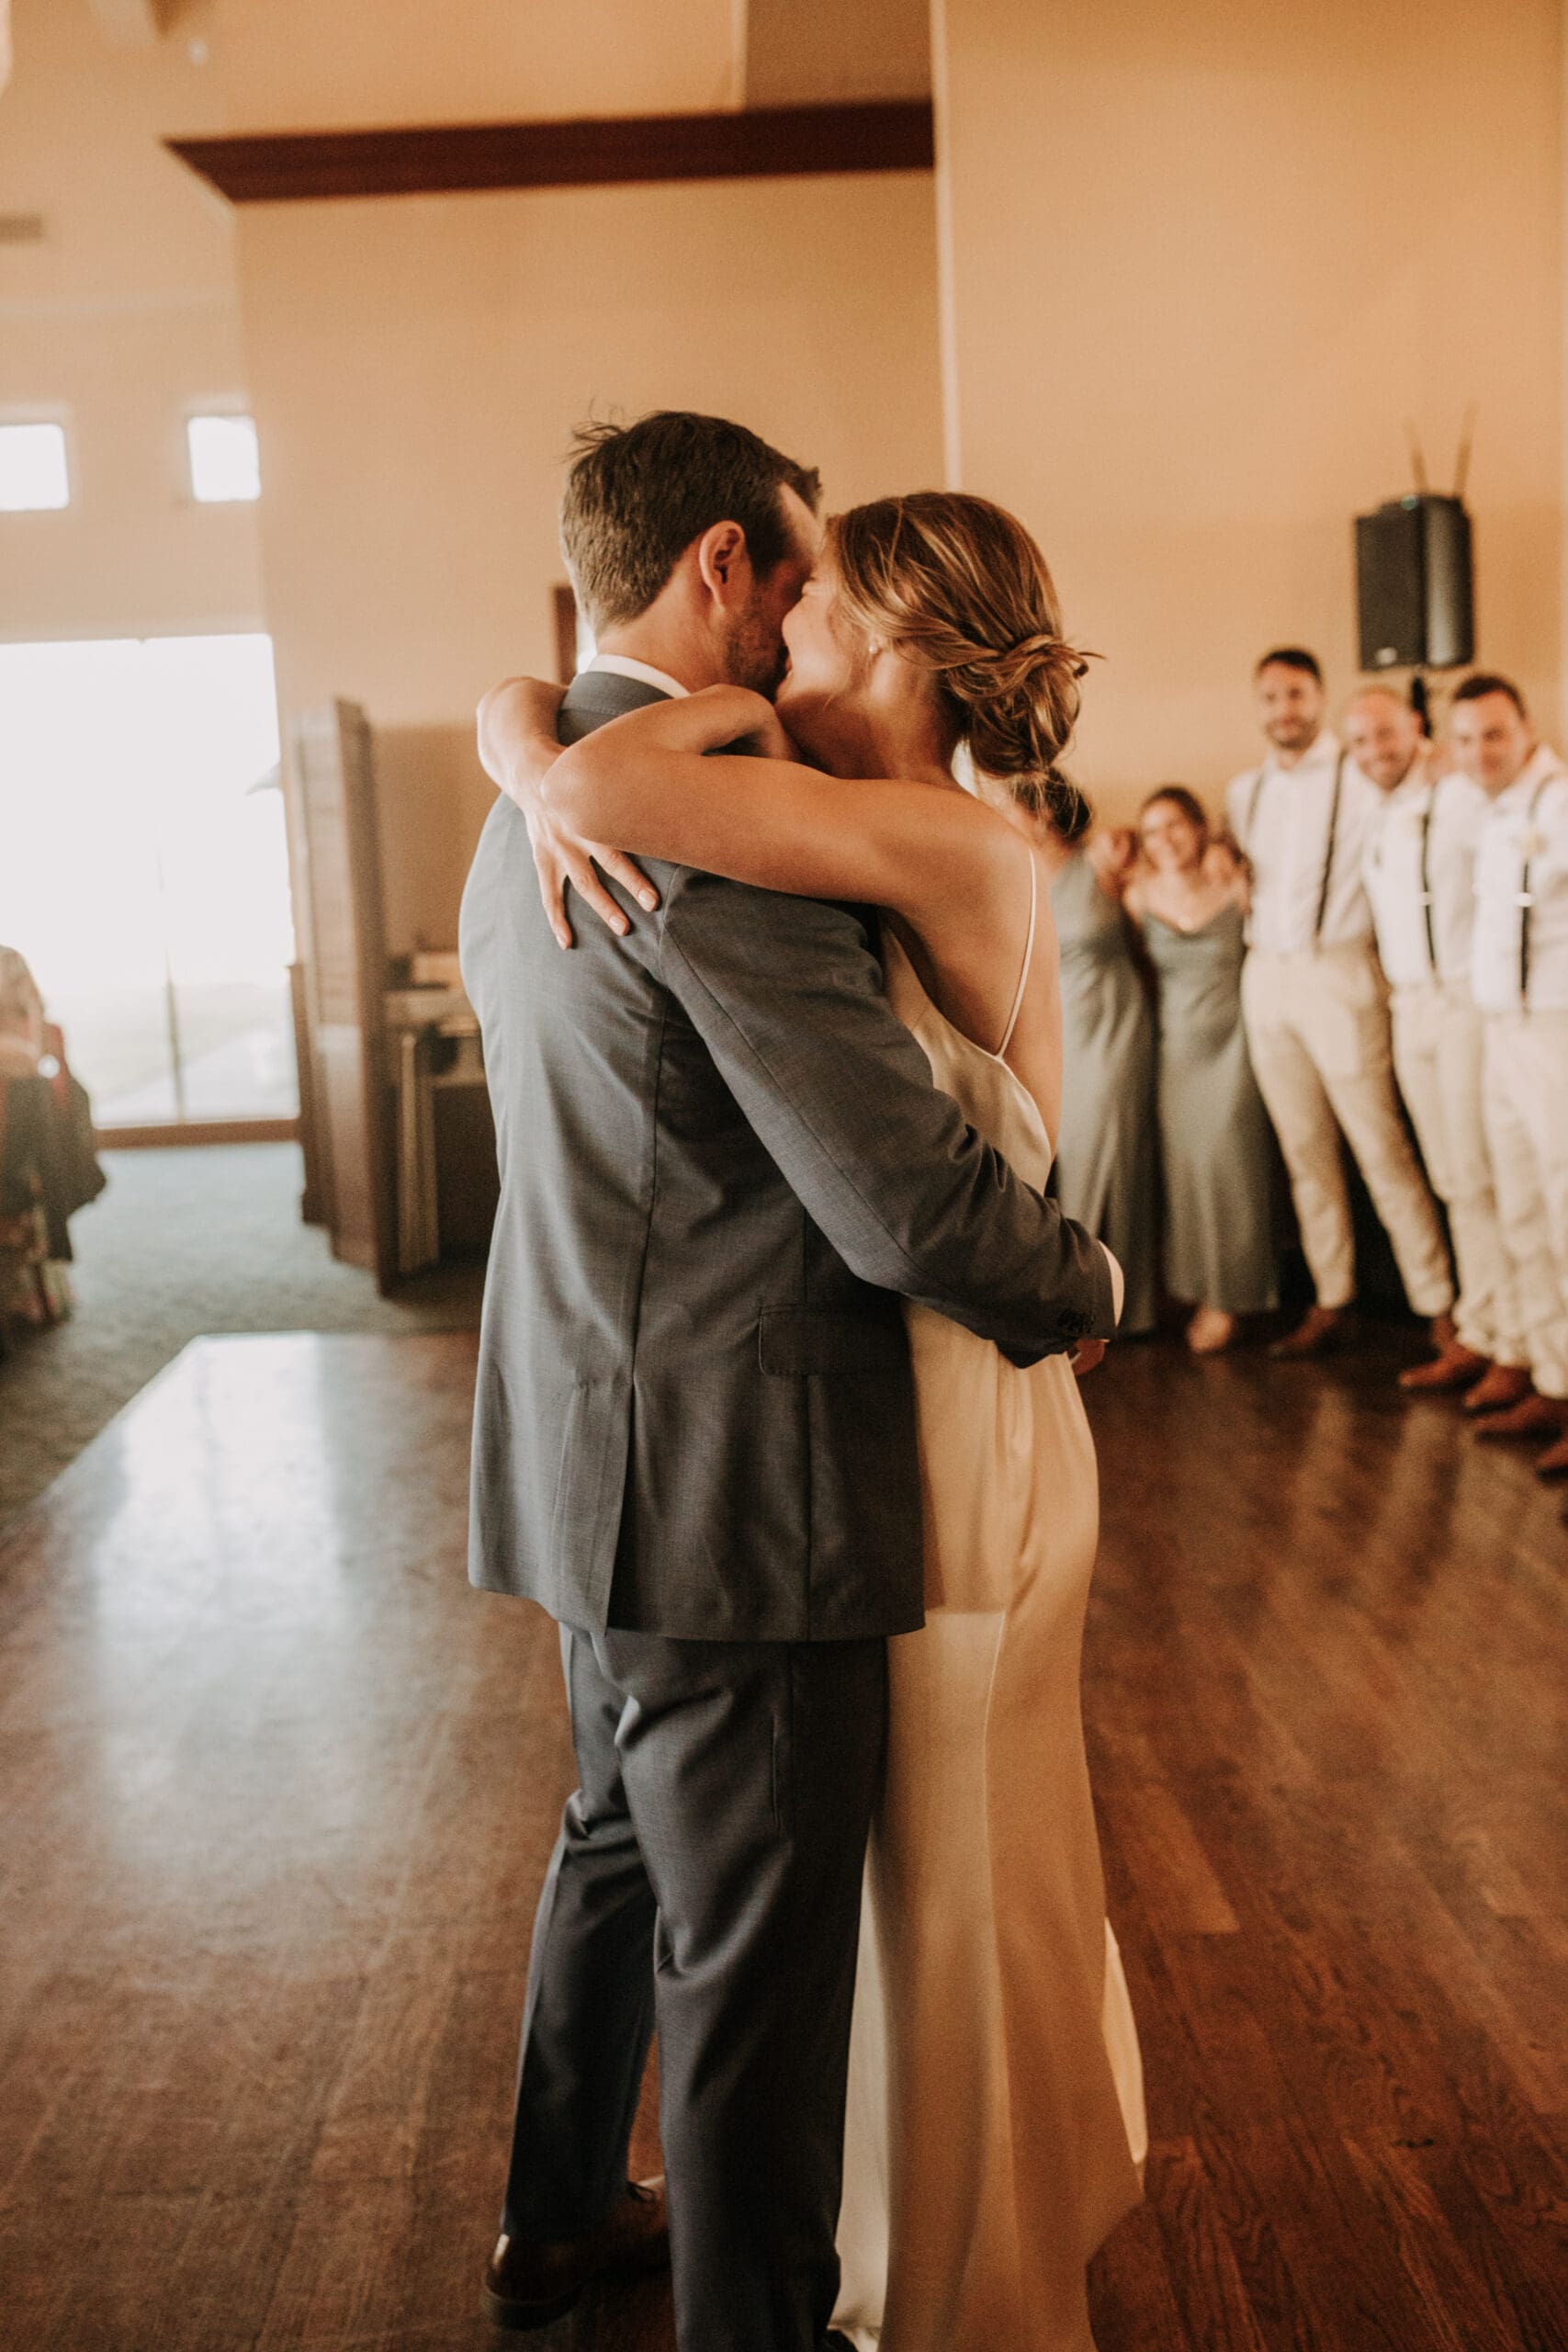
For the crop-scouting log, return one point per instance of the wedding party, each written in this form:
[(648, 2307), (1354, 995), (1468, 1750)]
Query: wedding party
[(783, 1178)]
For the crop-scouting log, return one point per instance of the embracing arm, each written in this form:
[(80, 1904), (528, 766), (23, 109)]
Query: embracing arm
[(661, 783), (788, 997), (516, 725)]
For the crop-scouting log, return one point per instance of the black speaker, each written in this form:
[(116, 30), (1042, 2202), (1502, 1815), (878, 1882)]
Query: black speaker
[(1414, 587)]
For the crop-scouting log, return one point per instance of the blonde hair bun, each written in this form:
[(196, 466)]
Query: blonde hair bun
[(957, 586)]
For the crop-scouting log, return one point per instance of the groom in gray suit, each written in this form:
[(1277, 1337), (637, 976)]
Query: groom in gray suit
[(723, 1167)]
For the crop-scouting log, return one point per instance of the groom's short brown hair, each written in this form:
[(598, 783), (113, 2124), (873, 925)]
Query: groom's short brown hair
[(638, 494)]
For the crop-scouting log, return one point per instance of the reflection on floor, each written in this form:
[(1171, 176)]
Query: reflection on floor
[(279, 1790), (184, 1242)]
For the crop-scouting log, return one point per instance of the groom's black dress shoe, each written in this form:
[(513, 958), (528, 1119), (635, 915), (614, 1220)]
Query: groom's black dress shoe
[(532, 2282)]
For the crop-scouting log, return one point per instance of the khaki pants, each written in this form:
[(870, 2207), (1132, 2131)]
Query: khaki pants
[(1526, 1097), (1438, 1051), (1318, 1029)]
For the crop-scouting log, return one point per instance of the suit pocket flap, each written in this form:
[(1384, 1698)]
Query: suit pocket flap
[(796, 1343)]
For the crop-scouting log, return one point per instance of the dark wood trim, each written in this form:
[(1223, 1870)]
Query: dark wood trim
[(563, 612), (425, 159), (184, 1131)]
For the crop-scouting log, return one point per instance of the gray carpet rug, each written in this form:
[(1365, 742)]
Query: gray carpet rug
[(184, 1242)]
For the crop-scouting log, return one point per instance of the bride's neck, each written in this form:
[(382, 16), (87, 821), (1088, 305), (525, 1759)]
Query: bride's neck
[(872, 744)]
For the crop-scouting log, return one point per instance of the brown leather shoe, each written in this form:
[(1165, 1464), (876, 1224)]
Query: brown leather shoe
[(1553, 1463), (1319, 1332), (1454, 1368), (1440, 1331), (1532, 1417), (532, 2282), (1504, 1385)]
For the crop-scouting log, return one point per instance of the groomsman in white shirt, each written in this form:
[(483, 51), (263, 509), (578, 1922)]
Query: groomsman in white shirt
[(1519, 981), (1316, 1006), (1420, 880)]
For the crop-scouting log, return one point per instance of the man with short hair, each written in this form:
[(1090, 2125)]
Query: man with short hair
[(1316, 1006), (1519, 981), (1420, 880), (723, 1161)]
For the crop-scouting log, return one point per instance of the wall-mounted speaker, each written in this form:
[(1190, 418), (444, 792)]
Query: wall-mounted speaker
[(1414, 588)]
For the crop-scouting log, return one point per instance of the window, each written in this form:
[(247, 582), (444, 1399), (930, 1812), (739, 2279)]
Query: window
[(224, 461), (143, 872), (33, 474)]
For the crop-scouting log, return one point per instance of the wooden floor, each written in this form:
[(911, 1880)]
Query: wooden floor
[(278, 1791)]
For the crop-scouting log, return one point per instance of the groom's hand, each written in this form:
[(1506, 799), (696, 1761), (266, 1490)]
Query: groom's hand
[(561, 859), (1088, 1356)]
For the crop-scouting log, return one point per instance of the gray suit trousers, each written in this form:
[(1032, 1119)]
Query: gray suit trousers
[(707, 1875)]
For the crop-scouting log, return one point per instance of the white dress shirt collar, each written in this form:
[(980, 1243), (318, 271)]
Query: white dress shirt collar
[(624, 665)]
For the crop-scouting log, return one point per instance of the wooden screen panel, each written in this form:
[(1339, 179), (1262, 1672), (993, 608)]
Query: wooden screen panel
[(346, 995)]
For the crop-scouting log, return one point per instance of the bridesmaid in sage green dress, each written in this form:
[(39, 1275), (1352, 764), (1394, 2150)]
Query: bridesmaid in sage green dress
[(1106, 1149), (1188, 895)]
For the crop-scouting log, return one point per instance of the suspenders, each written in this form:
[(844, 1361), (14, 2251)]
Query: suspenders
[(1329, 853), (1258, 784), (1427, 816), (1525, 899)]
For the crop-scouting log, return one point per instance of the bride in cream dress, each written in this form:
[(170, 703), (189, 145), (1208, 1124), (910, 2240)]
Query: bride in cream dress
[(991, 2011), (994, 2130)]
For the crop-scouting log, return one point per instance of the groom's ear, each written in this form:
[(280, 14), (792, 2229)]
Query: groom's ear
[(723, 563)]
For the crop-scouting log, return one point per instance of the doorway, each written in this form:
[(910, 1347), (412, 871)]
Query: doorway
[(144, 873)]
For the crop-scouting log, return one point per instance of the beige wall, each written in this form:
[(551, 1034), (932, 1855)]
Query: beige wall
[(800, 51), (325, 64), (123, 316), (417, 365), (1202, 263)]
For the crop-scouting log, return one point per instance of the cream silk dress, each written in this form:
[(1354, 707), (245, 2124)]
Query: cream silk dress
[(995, 2126)]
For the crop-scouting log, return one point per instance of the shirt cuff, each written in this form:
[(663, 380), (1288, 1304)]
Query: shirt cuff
[(1118, 1284)]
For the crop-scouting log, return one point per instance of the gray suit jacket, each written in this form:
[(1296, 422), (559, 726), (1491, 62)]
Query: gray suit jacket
[(723, 1164)]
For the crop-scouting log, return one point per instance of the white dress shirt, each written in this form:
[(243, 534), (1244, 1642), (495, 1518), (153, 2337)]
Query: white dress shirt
[(1521, 893), (624, 665), (1420, 875), (1284, 818)]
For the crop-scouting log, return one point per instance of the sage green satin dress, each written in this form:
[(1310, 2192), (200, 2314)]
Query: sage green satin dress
[(1216, 1147), (1107, 1149)]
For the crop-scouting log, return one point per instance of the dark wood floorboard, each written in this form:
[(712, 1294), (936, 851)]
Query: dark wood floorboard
[(278, 1790)]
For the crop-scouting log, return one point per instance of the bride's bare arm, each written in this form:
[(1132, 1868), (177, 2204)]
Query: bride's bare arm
[(661, 782), (518, 745)]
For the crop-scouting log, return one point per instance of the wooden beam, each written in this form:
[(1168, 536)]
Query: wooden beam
[(765, 142)]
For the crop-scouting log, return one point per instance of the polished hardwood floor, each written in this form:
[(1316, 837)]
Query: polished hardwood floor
[(278, 1791)]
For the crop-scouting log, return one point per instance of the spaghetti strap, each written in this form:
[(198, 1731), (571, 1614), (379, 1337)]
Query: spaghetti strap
[(1028, 958)]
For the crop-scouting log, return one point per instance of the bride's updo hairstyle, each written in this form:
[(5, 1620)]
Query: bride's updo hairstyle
[(957, 587)]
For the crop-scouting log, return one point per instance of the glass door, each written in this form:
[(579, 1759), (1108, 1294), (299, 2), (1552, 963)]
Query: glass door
[(143, 872)]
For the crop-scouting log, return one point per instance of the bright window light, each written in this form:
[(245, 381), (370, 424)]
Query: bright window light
[(224, 461), (32, 469)]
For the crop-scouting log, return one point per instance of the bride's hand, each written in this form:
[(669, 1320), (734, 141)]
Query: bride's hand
[(562, 858), (518, 747), (727, 719)]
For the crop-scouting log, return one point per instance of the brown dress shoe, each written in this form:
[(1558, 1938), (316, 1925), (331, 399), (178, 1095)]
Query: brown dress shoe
[(1553, 1463), (1504, 1385), (1320, 1330), (532, 2281), (1455, 1368), (1441, 1332), (1533, 1416)]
